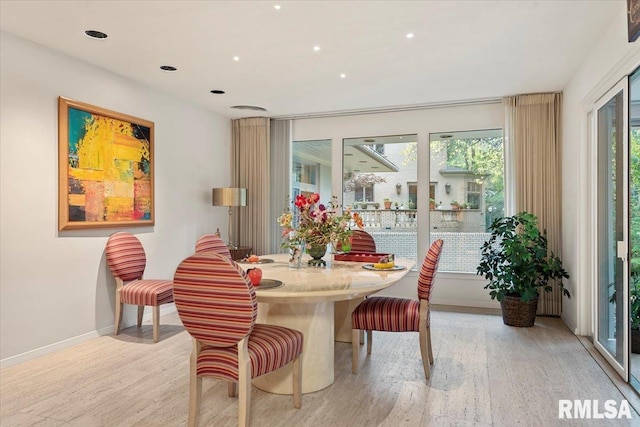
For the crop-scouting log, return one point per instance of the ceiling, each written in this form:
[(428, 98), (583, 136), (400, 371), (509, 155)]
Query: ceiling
[(461, 50)]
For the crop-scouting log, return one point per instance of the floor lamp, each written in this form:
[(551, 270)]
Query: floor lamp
[(229, 197)]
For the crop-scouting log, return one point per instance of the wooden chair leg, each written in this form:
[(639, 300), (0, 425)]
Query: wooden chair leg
[(361, 337), (140, 314), (296, 367), (195, 386), (369, 341), (232, 389), (424, 351), (429, 346), (156, 322), (355, 340), (244, 383), (118, 317)]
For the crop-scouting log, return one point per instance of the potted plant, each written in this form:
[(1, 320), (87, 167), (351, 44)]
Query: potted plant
[(518, 265), (634, 309), (634, 313), (387, 203), (634, 302), (411, 205), (455, 205), (376, 205), (432, 204)]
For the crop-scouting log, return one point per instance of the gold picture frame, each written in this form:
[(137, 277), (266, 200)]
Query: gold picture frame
[(105, 168)]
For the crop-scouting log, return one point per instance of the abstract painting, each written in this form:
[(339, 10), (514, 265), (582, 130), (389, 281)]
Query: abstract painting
[(105, 168)]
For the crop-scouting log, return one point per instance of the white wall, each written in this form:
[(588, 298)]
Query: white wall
[(451, 289), (54, 286), (610, 60)]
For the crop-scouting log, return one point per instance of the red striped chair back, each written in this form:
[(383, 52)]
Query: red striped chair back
[(212, 243), (215, 299), (361, 241), (429, 269), (125, 256)]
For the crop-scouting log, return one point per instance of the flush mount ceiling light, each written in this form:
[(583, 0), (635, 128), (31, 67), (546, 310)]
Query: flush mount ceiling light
[(168, 68), (409, 35), (217, 91), (95, 34), (343, 75), (316, 48), (248, 107), (276, 7), (236, 58)]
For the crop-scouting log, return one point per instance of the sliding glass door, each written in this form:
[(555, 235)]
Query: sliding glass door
[(611, 329), (634, 225)]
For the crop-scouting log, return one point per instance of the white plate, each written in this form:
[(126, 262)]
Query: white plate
[(394, 268)]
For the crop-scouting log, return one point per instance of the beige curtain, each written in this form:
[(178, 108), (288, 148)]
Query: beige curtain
[(280, 177), (533, 130), (250, 168)]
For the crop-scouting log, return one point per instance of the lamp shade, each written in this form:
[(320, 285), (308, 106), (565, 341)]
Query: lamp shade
[(229, 196)]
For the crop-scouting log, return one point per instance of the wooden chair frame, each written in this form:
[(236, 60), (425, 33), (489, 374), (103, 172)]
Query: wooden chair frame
[(242, 388), (426, 349)]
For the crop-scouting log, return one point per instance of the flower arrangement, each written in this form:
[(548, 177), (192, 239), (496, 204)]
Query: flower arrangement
[(317, 224)]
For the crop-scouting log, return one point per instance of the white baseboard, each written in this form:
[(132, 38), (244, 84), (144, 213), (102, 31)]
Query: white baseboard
[(70, 342)]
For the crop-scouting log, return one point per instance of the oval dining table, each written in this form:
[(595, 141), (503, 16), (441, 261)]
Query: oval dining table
[(305, 301)]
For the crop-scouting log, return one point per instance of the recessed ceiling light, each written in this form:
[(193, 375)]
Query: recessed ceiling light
[(445, 136), (276, 7), (316, 48), (236, 58), (369, 140), (217, 91), (95, 34), (409, 35), (343, 75), (248, 107), (168, 68)]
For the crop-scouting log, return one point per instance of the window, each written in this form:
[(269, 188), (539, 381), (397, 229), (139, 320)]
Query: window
[(413, 194), (474, 194), (382, 171), (470, 165), (363, 194), (311, 168)]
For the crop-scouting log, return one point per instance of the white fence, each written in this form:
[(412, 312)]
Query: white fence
[(461, 251)]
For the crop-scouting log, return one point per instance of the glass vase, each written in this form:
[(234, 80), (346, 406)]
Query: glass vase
[(295, 255)]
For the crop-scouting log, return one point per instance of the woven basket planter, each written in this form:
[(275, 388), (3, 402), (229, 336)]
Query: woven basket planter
[(518, 313)]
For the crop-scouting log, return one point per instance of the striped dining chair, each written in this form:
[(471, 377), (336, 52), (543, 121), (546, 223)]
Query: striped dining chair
[(218, 307), (390, 314), (213, 243), (127, 261), (361, 241)]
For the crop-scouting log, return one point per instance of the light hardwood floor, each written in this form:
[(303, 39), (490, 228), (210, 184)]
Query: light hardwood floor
[(485, 374)]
